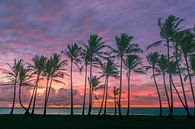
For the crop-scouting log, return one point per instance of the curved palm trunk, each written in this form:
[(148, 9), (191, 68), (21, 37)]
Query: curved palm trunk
[(90, 91), (120, 90), (71, 90), (170, 86), (20, 98), (128, 108), (166, 92), (35, 94), (158, 92), (115, 109), (106, 97), (182, 84), (44, 111), (14, 98), (48, 93), (103, 97), (83, 112), (190, 79)]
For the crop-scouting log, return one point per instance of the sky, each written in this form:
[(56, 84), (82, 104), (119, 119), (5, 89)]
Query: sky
[(45, 27)]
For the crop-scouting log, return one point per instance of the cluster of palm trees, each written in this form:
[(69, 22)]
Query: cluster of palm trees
[(102, 61)]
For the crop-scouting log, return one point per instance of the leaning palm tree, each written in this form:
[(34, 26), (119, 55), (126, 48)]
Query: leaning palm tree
[(24, 79), (152, 59), (131, 63), (85, 56), (54, 68), (95, 46), (37, 67), (187, 46), (109, 69), (115, 93), (168, 28), (12, 75), (123, 47), (73, 53)]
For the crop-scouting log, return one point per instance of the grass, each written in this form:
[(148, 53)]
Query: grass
[(94, 122)]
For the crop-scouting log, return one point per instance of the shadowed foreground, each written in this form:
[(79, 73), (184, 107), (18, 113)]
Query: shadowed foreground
[(93, 122)]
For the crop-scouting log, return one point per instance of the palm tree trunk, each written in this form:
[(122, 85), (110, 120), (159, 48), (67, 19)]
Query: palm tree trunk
[(120, 88), (106, 97), (115, 109), (103, 97), (166, 92), (170, 86), (90, 90), (71, 89), (181, 80), (14, 98), (35, 94), (128, 78), (158, 92), (49, 91), (190, 79), (44, 112), (20, 98), (83, 112)]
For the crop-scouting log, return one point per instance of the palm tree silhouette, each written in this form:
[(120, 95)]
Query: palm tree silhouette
[(187, 46), (54, 68), (95, 46), (109, 69), (85, 56), (123, 47), (152, 59), (131, 63), (12, 75), (115, 93), (73, 53), (37, 68), (24, 79)]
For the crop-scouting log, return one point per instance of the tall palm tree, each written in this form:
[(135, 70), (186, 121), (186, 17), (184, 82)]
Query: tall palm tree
[(123, 47), (176, 41), (167, 30), (163, 66), (131, 63), (152, 59), (37, 67), (187, 46), (73, 53), (109, 69), (95, 46), (53, 69), (12, 75), (115, 93), (85, 56), (24, 79)]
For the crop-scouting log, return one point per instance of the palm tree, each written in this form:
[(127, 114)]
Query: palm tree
[(37, 67), (115, 93), (152, 59), (131, 63), (187, 46), (168, 28), (95, 46), (167, 31), (24, 79), (12, 75), (53, 69), (123, 47), (176, 41), (85, 56), (73, 53), (109, 69)]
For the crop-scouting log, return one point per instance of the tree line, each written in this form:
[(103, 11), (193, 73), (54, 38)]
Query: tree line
[(177, 60)]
